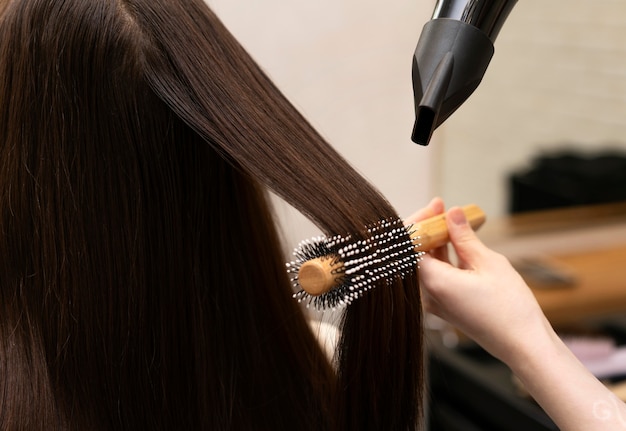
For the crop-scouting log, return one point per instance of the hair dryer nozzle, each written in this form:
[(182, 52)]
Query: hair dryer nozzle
[(427, 111), (450, 60)]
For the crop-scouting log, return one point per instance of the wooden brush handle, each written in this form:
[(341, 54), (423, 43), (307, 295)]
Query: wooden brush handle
[(431, 233), (320, 275)]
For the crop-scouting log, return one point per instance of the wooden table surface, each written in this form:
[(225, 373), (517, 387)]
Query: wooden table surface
[(598, 286), (585, 245)]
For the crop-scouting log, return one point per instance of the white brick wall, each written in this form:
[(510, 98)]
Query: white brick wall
[(558, 76)]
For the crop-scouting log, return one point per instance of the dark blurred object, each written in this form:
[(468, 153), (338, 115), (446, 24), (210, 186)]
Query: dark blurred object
[(569, 179), (471, 390)]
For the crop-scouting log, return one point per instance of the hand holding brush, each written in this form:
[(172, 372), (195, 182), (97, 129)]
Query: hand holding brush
[(488, 300), (333, 272)]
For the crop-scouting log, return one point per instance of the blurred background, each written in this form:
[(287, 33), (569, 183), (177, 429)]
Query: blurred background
[(556, 85)]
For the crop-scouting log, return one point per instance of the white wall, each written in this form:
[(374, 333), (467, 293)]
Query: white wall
[(346, 64)]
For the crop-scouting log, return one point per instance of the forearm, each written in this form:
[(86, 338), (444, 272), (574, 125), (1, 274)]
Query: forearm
[(569, 394)]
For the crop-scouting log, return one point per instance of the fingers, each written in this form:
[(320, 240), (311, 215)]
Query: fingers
[(438, 280), (466, 244), (441, 253), (431, 270)]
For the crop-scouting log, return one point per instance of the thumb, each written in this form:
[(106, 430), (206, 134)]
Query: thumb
[(463, 238)]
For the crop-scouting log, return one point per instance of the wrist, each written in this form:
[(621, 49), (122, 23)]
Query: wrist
[(530, 352)]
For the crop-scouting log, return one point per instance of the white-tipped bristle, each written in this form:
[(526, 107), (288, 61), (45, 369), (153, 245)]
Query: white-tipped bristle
[(387, 254)]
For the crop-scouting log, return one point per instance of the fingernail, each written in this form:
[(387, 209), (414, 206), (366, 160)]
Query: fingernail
[(457, 216)]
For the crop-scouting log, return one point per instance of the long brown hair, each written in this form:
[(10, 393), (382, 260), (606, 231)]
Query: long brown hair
[(142, 284)]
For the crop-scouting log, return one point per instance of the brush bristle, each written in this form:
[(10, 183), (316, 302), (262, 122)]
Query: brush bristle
[(387, 253)]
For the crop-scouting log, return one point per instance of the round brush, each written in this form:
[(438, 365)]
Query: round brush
[(328, 273)]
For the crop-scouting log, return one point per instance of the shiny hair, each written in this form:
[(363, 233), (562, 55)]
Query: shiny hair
[(142, 283)]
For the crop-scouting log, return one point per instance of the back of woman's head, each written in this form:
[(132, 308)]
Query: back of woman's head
[(141, 280)]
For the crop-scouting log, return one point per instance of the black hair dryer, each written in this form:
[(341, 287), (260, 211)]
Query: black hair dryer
[(451, 57)]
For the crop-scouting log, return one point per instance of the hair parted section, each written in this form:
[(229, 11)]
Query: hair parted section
[(142, 283)]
